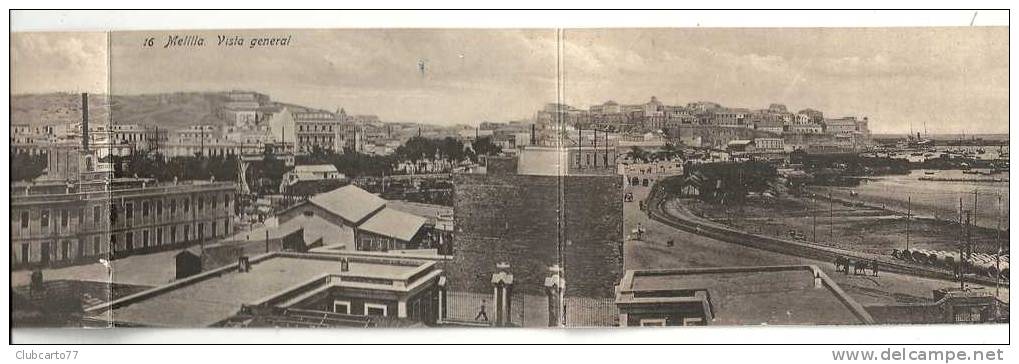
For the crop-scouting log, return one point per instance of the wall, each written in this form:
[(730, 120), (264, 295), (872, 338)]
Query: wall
[(514, 218), (715, 136), (89, 236)]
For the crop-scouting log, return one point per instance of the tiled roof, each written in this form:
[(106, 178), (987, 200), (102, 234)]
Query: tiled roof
[(349, 202), (315, 168), (395, 224)]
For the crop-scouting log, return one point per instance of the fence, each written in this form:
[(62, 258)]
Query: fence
[(530, 310), (591, 312), (525, 310)]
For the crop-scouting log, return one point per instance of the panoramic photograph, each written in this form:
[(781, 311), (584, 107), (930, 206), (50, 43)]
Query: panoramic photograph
[(491, 178)]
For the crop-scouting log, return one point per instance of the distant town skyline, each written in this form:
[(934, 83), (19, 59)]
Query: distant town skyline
[(953, 79)]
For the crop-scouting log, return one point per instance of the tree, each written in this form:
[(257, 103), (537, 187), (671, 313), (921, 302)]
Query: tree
[(731, 182), (25, 167), (638, 153), (485, 146)]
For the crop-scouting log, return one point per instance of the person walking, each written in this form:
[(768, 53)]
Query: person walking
[(481, 312)]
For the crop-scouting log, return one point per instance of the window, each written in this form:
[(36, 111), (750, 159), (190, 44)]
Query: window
[(145, 209), (25, 256), (214, 229), (113, 214), (129, 240), (65, 250), (375, 309), (65, 218), (145, 238), (693, 321), (159, 208), (173, 234), (96, 213), (187, 232), (24, 219), (201, 203), (652, 322), (96, 243), (187, 205), (173, 206), (159, 236), (129, 211), (44, 218), (341, 307)]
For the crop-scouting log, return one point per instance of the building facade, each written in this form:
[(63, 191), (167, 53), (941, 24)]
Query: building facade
[(55, 224)]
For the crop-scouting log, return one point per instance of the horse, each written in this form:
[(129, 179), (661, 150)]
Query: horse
[(858, 267), (873, 267), (841, 264)]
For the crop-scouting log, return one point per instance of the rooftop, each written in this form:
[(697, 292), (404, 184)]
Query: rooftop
[(315, 168), (349, 202), (213, 296), (315, 228), (395, 224), (781, 295), (441, 217), (41, 191)]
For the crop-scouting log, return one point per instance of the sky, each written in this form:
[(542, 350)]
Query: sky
[(953, 79), (59, 62)]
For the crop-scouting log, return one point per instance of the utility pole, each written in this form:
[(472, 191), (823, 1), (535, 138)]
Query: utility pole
[(997, 256), (813, 214), (974, 209), (580, 146), (965, 250), (831, 218), (202, 140), (909, 205)]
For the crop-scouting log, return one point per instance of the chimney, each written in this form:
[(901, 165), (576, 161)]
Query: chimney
[(84, 121), (243, 264), (817, 279), (344, 265)]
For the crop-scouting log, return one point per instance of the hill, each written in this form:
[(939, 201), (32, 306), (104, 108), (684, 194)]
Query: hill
[(171, 111)]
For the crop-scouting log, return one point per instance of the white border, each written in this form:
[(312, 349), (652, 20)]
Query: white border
[(25, 21)]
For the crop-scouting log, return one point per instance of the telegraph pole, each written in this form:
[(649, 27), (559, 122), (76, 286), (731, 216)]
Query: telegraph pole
[(965, 250), (974, 210), (997, 257), (909, 205), (202, 140), (831, 218), (813, 214)]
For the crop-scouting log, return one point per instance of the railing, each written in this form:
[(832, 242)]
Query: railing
[(591, 312)]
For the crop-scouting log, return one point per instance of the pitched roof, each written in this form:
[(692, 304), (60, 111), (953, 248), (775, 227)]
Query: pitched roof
[(349, 202), (320, 168), (395, 224)]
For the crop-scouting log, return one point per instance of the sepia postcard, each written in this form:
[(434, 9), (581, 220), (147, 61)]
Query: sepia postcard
[(560, 177)]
